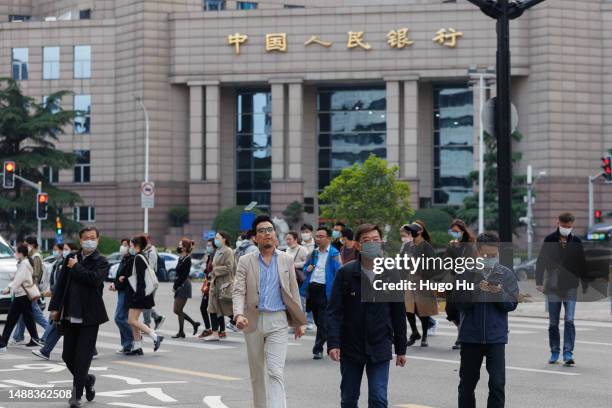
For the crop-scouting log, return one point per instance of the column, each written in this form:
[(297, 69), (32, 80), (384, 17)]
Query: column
[(278, 130), (213, 132), (410, 134), (296, 127), (393, 122), (196, 145)]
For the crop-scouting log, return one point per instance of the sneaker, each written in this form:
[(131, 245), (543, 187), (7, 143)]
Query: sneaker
[(231, 327), (310, 327), (135, 352), (158, 342), (553, 358), (568, 359), (159, 321), (569, 363), (123, 351), (424, 343), (212, 337), (2, 350), (317, 356), (90, 392), (35, 343), (39, 353), (13, 342), (433, 327), (74, 402)]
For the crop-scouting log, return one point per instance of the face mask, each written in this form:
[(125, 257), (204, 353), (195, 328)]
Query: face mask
[(89, 245), (372, 250), (209, 250), (336, 234), (217, 243), (29, 249), (123, 250), (132, 251), (238, 243), (490, 262), (407, 239), (65, 253), (179, 249), (565, 231), (455, 234), (56, 254), (307, 236)]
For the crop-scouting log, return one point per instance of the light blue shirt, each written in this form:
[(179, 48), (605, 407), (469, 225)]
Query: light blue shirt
[(270, 298)]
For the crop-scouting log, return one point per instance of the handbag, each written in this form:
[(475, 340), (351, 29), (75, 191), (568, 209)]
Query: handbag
[(32, 292), (151, 282), (226, 290), (299, 272)]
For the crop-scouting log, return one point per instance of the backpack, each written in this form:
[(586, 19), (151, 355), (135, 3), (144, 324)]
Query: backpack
[(162, 272), (151, 282)]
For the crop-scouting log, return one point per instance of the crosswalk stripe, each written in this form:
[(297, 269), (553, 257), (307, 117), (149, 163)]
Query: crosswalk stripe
[(178, 371), (200, 346)]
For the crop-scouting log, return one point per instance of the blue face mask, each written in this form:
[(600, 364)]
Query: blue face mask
[(132, 251), (217, 243), (455, 234), (209, 250), (336, 234), (490, 262)]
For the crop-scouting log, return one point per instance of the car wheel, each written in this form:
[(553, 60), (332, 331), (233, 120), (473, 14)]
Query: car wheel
[(171, 275)]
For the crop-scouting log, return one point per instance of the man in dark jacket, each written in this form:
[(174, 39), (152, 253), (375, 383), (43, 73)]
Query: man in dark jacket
[(483, 327), (360, 332), (560, 266), (78, 307)]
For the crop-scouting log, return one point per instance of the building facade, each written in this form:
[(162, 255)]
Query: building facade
[(268, 101)]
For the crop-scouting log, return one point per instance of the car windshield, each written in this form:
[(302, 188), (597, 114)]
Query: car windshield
[(5, 251)]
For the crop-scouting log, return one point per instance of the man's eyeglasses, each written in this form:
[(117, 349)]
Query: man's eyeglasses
[(267, 230)]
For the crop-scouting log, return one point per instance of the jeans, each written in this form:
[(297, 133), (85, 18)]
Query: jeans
[(469, 373), (52, 336), (378, 379), (121, 320), (39, 317), (569, 330)]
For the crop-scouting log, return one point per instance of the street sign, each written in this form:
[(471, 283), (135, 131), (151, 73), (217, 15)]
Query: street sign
[(246, 220), (206, 235), (147, 194), (488, 117)]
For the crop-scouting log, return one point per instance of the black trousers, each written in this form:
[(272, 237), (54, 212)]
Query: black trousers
[(217, 322), (204, 312), (317, 303), (469, 373), (79, 347), (20, 306)]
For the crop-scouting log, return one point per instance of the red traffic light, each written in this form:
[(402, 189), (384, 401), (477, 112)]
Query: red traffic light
[(43, 198), (9, 166), (597, 213)]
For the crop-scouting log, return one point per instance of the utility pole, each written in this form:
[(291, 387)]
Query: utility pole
[(503, 11), (146, 169)]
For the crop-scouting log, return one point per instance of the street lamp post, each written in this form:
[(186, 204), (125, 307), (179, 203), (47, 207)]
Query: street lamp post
[(503, 11), (146, 169)]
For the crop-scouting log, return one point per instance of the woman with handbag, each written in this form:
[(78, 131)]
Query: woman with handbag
[(299, 254), (137, 296), (182, 287), (221, 286), (205, 289), (24, 292)]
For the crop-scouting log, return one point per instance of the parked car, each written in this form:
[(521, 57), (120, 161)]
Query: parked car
[(8, 265), (196, 271), (198, 255)]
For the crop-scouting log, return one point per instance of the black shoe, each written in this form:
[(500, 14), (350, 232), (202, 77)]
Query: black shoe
[(136, 352), (90, 392), (158, 342), (74, 402), (179, 335), (569, 363), (424, 343), (159, 320), (35, 343), (457, 346), (413, 338), (317, 356), (195, 328)]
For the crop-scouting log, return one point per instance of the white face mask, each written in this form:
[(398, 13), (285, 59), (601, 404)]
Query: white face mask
[(565, 231), (306, 236), (89, 245), (123, 250), (407, 239), (65, 253)]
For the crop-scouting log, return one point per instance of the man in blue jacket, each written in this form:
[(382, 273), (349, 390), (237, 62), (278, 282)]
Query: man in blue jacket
[(483, 327), (320, 269), (363, 325)]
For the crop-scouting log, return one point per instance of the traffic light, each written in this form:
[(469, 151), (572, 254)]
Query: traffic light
[(58, 230), (42, 200), (9, 174), (607, 167), (598, 216)]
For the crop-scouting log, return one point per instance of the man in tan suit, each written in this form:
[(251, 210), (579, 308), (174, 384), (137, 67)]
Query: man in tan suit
[(266, 302)]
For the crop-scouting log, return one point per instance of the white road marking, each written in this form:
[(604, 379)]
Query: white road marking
[(532, 370), (156, 393), (129, 405), (586, 323), (200, 346), (214, 402), (595, 343), (136, 381)]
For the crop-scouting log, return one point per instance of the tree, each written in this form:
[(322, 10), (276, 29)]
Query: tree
[(469, 213), (293, 214), (368, 193), (28, 130)]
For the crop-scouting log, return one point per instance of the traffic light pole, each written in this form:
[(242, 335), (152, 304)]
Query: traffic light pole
[(38, 188), (591, 199)]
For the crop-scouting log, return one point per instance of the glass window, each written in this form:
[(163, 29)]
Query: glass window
[(351, 126), (246, 5), (253, 147), (84, 214), (19, 18), (51, 62), (293, 6), (82, 120), (82, 166), (85, 14), (453, 143), (51, 174), (82, 61), (19, 61), (55, 108), (214, 4)]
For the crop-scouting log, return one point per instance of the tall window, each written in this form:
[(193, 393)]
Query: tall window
[(246, 5), (453, 143), (82, 167), (84, 214), (214, 4), (82, 61), (352, 125), (82, 120), (19, 61), (51, 174), (51, 62), (254, 152)]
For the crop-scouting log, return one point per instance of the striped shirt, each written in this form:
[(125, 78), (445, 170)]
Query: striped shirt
[(270, 298)]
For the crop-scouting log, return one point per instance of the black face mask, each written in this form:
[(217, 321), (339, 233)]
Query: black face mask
[(179, 250), (414, 234)]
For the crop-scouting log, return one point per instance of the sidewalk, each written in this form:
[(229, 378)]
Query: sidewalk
[(591, 311)]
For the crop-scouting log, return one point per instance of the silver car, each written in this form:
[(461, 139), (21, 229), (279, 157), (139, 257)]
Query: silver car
[(8, 266)]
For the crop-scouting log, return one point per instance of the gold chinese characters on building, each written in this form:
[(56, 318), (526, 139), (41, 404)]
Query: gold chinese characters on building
[(396, 39)]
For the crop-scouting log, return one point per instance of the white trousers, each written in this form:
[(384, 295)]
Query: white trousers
[(266, 351)]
